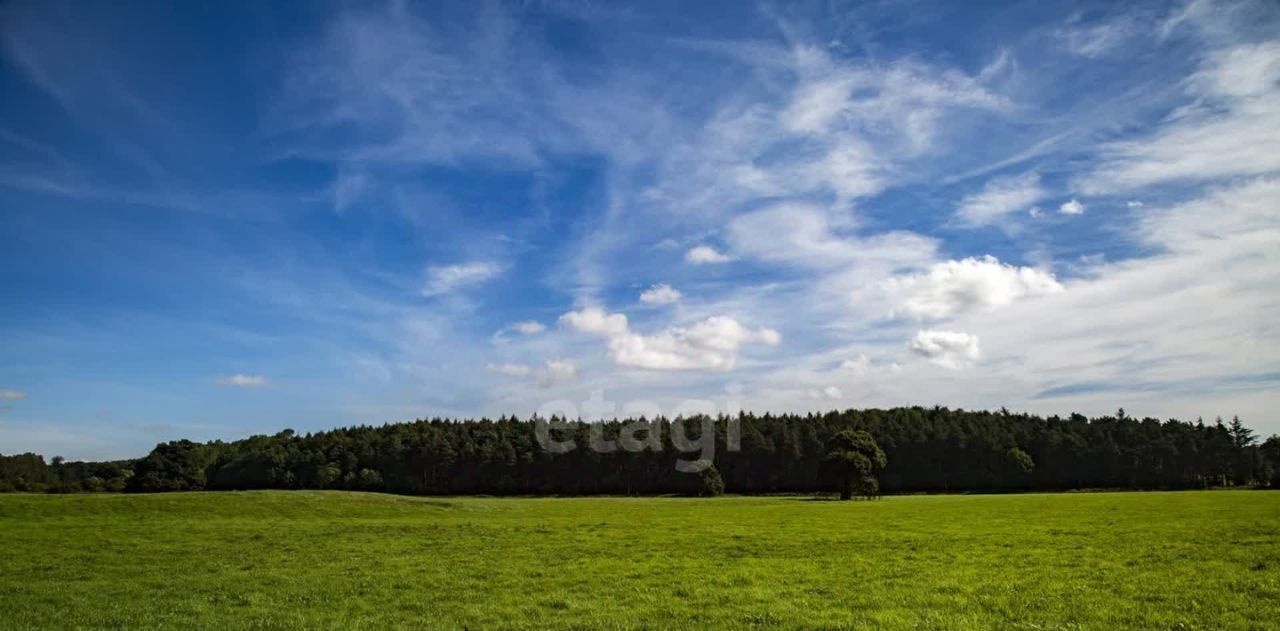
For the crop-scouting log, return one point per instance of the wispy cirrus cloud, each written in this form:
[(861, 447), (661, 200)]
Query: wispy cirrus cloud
[(999, 198), (830, 187), (1230, 128), (445, 279)]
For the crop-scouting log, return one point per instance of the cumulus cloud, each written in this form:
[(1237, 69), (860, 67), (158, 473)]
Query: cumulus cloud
[(552, 372), (709, 344), (1073, 207), (949, 349), (1150, 328), (596, 321), (953, 287), (1000, 197), (660, 295), (12, 395), (243, 381), (447, 278), (704, 254)]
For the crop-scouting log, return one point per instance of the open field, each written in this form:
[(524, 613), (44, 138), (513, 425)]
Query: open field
[(1191, 560)]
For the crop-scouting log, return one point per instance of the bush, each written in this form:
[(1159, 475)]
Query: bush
[(712, 483)]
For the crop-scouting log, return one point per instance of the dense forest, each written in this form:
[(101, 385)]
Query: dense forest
[(927, 449)]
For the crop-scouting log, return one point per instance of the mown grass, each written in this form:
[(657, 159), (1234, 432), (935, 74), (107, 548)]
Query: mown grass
[(1193, 560)]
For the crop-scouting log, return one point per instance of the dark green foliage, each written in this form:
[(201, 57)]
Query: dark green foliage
[(867, 487), (857, 457), (1269, 462), (180, 465), (712, 483), (1020, 461), (29, 473), (1241, 436), (927, 449)]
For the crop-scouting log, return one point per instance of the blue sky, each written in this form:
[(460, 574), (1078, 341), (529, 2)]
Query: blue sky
[(224, 220)]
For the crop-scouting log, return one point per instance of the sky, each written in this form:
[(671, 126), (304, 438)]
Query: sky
[(224, 219)]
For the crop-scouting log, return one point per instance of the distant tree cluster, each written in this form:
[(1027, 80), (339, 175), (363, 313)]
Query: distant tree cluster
[(859, 452), (30, 473)]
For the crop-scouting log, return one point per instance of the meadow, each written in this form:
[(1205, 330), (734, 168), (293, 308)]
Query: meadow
[(317, 559)]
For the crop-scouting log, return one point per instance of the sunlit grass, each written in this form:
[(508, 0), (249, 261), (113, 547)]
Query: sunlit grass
[(1195, 560)]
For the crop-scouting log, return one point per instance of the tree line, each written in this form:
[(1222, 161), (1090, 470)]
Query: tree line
[(924, 449)]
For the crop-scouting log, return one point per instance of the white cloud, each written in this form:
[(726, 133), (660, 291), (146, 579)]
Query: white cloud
[(525, 328), (1133, 203), (859, 366), (528, 327), (1000, 197), (348, 187), (863, 366), (596, 321), (709, 344), (1231, 128), (704, 254), (445, 279), (660, 295), (949, 349), (243, 381), (1247, 215), (12, 395), (804, 234), (1098, 39), (1250, 70), (904, 98), (831, 393), (552, 372), (1149, 331), (556, 371), (953, 287), (513, 370), (406, 91), (1073, 207)]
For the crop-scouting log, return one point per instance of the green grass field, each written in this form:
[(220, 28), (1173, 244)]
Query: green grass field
[(1192, 560)]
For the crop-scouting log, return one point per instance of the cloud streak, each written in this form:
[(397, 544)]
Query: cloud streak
[(243, 381)]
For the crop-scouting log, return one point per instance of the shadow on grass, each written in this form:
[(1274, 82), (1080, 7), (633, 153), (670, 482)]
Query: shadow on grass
[(829, 498)]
